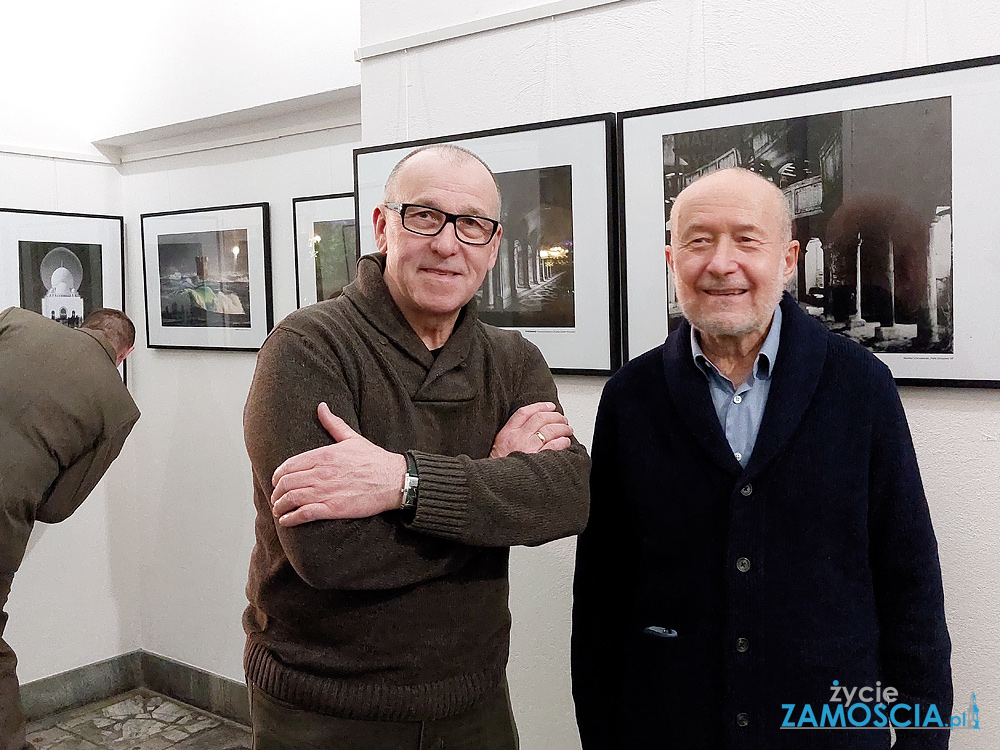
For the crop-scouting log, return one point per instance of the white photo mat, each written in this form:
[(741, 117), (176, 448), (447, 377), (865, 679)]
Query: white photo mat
[(254, 218), (974, 92), (583, 145)]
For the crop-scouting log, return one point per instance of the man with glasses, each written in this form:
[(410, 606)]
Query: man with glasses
[(399, 448)]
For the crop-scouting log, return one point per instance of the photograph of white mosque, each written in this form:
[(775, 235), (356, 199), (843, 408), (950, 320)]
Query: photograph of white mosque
[(532, 283), (870, 192), (62, 281), (204, 279)]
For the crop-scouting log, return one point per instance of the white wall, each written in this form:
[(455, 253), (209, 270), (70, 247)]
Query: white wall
[(641, 53), (71, 599), (79, 72)]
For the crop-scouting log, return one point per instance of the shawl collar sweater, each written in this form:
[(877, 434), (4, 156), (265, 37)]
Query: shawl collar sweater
[(377, 618), (817, 562)]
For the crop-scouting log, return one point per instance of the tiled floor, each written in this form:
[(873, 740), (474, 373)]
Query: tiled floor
[(137, 720)]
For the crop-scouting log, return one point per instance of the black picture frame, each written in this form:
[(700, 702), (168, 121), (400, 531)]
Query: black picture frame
[(93, 246), (914, 144), (326, 250), (556, 278), (196, 296)]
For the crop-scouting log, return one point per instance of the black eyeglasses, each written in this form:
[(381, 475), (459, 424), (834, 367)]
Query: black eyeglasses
[(472, 230)]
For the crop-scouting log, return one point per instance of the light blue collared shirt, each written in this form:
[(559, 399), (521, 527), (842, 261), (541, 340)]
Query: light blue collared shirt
[(741, 409)]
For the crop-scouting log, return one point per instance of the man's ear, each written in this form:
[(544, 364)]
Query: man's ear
[(669, 252), (120, 359), (496, 245), (791, 260), (378, 220)]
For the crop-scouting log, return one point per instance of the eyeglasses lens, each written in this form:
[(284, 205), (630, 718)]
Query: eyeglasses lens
[(428, 221)]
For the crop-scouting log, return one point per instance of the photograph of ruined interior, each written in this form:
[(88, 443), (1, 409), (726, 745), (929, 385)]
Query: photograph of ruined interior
[(207, 277), (870, 195), (531, 283), (882, 175), (326, 246)]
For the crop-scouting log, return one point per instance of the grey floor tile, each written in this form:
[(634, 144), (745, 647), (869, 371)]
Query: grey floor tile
[(137, 720), (59, 739), (227, 737)]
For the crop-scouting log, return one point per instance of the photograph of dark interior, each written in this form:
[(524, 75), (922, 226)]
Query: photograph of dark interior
[(204, 279), (60, 280), (336, 256), (870, 193), (531, 284)]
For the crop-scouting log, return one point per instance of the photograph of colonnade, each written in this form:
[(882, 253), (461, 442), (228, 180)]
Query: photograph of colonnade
[(870, 192), (531, 284)]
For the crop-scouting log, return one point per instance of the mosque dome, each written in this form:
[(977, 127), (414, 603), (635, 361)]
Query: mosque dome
[(62, 281)]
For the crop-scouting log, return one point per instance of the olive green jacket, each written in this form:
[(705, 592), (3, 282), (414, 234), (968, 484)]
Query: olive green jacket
[(64, 417)]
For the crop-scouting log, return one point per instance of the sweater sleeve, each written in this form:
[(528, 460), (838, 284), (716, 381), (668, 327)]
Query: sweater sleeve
[(521, 499), (280, 421), (603, 592), (909, 599)]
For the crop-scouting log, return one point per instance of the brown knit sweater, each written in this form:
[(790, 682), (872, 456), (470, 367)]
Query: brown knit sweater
[(373, 618)]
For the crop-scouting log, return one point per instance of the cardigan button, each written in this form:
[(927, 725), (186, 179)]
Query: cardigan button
[(746, 490), (743, 565), (742, 645), (742, 719)]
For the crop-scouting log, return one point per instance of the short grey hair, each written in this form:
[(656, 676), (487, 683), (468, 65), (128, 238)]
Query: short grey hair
[(448, 150), (779, 196)]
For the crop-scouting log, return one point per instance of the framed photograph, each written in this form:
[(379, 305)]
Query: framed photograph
[(61, 265), (326, 246), (884, 179), (556, 275), (207, 274)]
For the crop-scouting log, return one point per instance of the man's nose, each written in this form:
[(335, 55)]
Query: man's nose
[(446, 241), (723, 258)]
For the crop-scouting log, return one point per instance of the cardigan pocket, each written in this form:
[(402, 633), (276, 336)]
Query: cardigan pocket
[(666, 673)]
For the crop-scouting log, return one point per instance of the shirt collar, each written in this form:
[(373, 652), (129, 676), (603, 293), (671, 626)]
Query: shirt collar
[(764, 363)]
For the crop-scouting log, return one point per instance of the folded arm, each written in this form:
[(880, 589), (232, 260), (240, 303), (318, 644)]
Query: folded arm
[(333, 493)]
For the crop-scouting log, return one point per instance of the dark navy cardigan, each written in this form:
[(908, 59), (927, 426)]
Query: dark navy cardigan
[(763, 585)]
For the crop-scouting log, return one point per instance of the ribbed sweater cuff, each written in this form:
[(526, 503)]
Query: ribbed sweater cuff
[(442, 504)]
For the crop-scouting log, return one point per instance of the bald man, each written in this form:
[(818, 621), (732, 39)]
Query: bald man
[(759, 557), (400, 447)]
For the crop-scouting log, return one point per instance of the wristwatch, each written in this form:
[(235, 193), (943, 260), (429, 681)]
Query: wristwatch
[(408, 502)]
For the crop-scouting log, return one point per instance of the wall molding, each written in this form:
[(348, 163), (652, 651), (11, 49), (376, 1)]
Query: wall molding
[(315, 113), (45, 153), (137, 669), (478, 26)]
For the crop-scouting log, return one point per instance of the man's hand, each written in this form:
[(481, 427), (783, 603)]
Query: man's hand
[(352, 478), (533, 428)]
